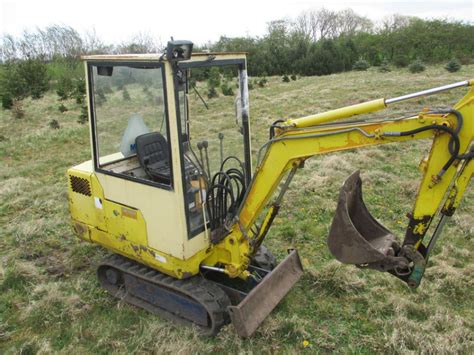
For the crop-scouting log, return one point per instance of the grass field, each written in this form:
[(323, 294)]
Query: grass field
[(50, 300)]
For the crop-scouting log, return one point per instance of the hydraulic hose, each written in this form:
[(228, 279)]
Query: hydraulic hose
[(454, 139), (459, 125)]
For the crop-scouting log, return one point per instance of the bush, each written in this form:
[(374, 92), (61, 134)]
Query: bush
[(24, 78), (262, 82), (80, 87), (83, 116), (361, 65), (214, 78), (417, 66), (385, 66), (62, 93), (453, 65), (125, 94), (7, 101), (65, 87), (79, 99), (212, 92), (17, 109), (227, 89), (54, 124), (79, 91), (213, 82), (35, 74), (285, 79), (100, 97), (293, 77), (401, 61), (12, 85), (62, 108)]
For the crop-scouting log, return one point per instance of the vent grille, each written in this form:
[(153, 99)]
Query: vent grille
[(80, 185)]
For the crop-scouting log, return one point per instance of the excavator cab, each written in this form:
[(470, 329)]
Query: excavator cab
[(170, 167), (149, 129)]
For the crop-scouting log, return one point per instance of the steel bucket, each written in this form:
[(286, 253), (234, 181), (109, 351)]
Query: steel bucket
[(356, 237)]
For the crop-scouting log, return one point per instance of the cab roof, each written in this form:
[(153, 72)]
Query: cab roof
[(160, 56)]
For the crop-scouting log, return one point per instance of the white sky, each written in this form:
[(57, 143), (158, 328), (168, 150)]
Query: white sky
[(199, 20)]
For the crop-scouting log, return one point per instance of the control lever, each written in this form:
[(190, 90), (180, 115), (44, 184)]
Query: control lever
[(205, 145), (221, 139), (199, 147)]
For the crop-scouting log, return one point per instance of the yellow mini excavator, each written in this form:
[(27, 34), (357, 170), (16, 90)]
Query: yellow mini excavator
[(170, 188)]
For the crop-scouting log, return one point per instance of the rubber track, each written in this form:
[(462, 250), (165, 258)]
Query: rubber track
[(206, 293)]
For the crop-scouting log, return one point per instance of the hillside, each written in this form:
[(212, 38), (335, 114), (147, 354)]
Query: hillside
[(50, 299)]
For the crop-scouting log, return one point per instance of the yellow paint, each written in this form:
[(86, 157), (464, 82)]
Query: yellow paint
[(139, 221), (120, 232), (160, 261), (340, 113), (286, 150), (466, 171), (120, 225), (82, 207), (430, 196), (281, 154), (148, 224)]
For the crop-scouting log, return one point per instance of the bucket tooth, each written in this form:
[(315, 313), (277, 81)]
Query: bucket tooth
[(356, 237), (257, 305)]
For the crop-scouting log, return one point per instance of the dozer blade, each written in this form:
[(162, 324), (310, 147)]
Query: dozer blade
[(356, 237), (258, 304)]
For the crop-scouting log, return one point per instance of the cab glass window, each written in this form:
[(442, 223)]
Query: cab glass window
[(131, 133), (213, 145)]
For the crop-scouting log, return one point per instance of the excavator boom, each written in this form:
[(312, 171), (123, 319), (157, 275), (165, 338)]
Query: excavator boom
[(356, 237)]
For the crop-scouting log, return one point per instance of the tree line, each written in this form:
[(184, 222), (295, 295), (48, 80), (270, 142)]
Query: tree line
[(303, 45), (64, 42), (324, 42)]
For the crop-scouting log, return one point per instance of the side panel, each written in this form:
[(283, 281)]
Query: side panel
[(159, 207), (121, 228), (83, 198), (125, 223)]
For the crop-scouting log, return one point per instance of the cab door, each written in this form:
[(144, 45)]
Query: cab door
[(134, 160)]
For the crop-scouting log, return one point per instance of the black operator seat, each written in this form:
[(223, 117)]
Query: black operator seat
[(154, 157)]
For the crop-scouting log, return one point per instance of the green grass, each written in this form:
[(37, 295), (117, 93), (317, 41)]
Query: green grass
[(50, 299)]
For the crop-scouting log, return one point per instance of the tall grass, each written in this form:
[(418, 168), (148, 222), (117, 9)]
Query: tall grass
[(50, 300)]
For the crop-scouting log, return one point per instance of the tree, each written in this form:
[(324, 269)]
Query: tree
[(24, 78), (317, 24), (92, 44), (8, 49), (140, 43), (417, 66), (453, 65), (349, 23)]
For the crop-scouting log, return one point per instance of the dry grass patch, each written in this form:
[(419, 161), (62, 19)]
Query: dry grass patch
[(50, 300)]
